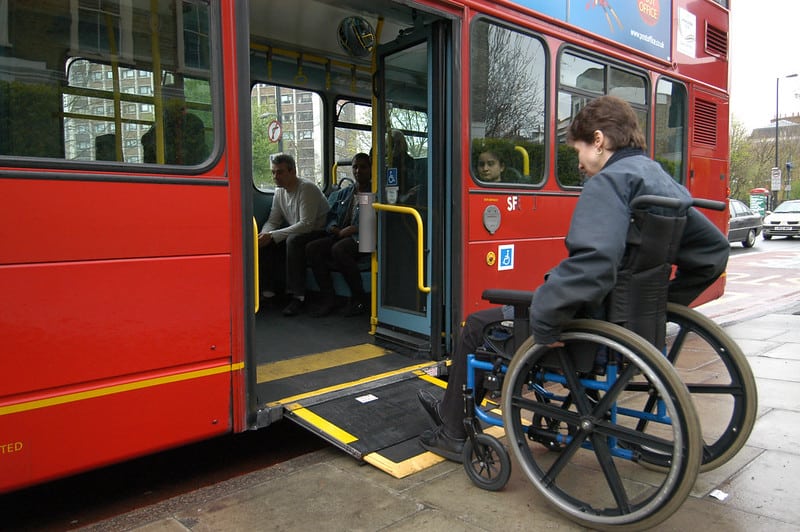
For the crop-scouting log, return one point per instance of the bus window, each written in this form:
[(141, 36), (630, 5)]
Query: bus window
[(582, 80), (286, 120), (670, 138), (508, 101), (89, 81), (352, 134)]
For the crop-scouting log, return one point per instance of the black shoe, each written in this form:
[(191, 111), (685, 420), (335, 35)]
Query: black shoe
[(431, 405), (355, 308), (293, 308), (323, 309), (439, 442)]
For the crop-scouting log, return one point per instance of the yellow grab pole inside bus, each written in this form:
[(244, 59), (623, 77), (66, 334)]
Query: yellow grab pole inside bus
[(526, 162), (373, 318)]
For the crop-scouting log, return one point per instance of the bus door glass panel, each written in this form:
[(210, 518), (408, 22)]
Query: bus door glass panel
[(404, 181)]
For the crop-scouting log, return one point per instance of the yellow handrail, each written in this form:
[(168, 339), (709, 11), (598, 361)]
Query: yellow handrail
[(255, 260), (412, 212), (526, 163)]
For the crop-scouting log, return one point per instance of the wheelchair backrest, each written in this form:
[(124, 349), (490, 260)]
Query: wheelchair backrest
[(638, 301)]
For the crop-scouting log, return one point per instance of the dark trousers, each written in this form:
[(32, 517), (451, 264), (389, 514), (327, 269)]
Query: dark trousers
[(340, 254), (471, 337), (284, 263)]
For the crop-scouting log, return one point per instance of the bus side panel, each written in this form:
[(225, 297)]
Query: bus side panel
[(48, 442), (709, 63), (532, 224), (61, 220), (83, 321), (115, 320)]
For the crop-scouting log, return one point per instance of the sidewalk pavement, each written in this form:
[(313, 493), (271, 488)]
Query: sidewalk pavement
[(329, 490)]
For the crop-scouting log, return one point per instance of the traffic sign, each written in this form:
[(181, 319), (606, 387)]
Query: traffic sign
[(776, 178)]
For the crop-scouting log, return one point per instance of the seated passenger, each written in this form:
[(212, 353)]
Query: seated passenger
[(298, 214), (611, 151), (339, 248)]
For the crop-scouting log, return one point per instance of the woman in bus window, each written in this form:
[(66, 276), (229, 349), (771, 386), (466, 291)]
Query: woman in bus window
[(490, 167)]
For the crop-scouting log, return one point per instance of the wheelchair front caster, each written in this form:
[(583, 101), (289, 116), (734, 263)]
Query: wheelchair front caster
[(486, 462)]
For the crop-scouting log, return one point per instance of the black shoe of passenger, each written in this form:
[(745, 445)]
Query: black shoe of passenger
[(431, 405), (293, 308), (323, 309), (355, 308), (439, 442)]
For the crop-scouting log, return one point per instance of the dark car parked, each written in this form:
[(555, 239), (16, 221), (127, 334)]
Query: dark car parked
[(745, 225)]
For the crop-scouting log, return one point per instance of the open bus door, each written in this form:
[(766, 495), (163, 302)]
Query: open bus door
[(411, 190), (337, 376)]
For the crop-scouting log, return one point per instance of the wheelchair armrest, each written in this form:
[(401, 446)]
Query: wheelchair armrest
[(493, 356), (519, 299)]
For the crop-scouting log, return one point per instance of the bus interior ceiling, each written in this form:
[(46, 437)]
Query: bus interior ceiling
[(311, 26)]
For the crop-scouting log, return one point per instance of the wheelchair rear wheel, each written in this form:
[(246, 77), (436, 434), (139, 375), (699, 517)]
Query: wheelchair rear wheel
[(719, 378), (486, 462), (592, 419)]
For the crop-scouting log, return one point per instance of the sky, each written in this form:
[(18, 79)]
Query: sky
[(764, 45)]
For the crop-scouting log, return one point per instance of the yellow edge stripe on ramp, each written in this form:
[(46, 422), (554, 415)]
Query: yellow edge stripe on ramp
[(298, 366), (286, 400), (324, 425), (433, 380), (417, 463)]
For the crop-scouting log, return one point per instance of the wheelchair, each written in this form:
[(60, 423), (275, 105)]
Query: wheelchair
[(606, 427)]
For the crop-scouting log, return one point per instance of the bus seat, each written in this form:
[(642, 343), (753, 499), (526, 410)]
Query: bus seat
[(262, 204)]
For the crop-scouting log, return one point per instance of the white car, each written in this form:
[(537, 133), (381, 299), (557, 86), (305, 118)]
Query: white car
[(783, 221)]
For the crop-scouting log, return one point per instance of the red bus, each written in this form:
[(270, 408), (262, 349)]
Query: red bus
[(135, 144)]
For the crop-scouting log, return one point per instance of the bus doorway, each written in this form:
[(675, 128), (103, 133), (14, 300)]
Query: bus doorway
[(353, 380)]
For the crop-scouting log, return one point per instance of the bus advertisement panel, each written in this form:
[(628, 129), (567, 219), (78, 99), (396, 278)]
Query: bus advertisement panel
[(645, 25)]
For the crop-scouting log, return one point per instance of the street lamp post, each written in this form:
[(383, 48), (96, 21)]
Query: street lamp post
[(777, 118)]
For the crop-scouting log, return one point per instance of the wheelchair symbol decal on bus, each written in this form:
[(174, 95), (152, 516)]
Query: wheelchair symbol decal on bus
[(505, 255), (391, 177)]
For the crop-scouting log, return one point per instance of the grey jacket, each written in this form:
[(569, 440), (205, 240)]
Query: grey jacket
[(596, 244)]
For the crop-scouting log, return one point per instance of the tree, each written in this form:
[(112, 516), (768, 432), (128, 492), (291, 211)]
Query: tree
[(507, 91), (743, 162), (753, 157)]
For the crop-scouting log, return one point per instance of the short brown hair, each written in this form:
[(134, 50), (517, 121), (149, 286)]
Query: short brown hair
[(614, 117), (284, 158)]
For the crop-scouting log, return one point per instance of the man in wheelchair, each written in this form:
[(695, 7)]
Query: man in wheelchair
[(611, 152)]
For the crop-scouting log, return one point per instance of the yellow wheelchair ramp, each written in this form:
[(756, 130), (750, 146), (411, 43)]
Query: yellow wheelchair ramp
[(362, 399)]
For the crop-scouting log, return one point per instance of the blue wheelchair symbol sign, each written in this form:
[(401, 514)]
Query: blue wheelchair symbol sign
[(391, 177), (505, 256)]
